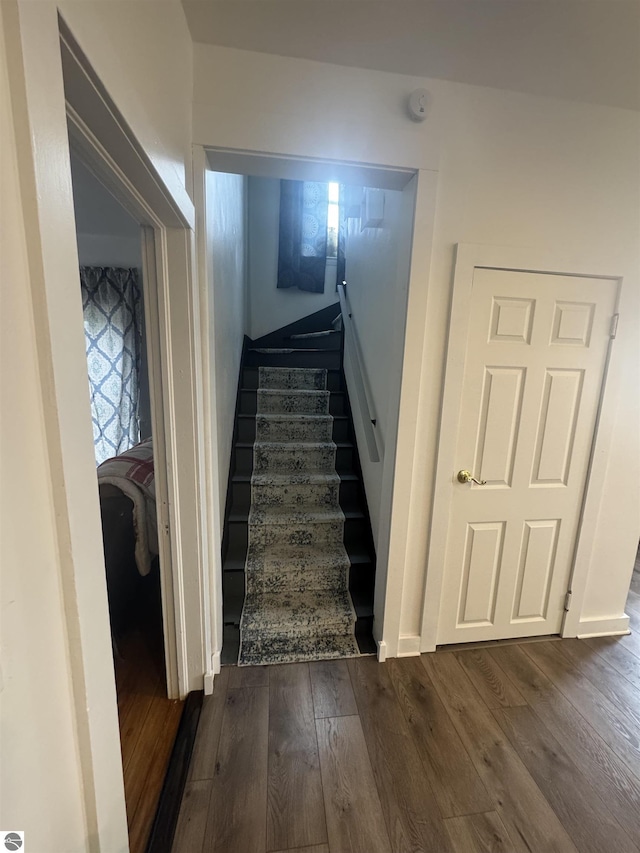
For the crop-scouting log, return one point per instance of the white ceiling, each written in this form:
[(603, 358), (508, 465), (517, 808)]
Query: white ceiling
[(585, 50)]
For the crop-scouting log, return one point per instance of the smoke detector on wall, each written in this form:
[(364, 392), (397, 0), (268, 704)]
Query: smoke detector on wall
[(418, 104)]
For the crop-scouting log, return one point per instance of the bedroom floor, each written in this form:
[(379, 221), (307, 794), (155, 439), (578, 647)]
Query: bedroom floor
[(148, 720)]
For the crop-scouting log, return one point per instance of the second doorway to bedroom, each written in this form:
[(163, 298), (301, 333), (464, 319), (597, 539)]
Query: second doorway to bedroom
[(116, 324)]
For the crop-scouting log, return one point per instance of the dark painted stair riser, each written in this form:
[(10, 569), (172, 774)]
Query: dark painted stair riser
[(325, 358)]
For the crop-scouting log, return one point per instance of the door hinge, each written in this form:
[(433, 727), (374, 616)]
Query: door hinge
[(614, 326), (567, 601)]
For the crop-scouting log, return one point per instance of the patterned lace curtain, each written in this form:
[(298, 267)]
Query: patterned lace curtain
[(302, 245), (112, 310)]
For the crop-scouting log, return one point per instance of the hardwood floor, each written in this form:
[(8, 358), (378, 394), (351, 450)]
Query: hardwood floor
[(148, 722), (531, 747)]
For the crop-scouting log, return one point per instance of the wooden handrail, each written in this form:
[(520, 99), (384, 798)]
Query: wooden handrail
[(351, 338)]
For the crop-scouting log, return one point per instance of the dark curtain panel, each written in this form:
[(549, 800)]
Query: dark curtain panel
[(302, 243)]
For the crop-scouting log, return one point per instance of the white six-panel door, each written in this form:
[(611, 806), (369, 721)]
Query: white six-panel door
[(534, 365)]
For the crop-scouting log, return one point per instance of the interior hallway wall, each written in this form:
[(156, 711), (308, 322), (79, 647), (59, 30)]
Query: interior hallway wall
[(40, 770), (513, 170), (61, 768), (142, 53), (226, 279), (377, 262)]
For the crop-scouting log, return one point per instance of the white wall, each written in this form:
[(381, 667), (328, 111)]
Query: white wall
[(226, 275), (547, 174), (142, 54), (514, 169), (61, 765), (377, 281), (269, 308), (102, 250), (107, 234), (40, 762)]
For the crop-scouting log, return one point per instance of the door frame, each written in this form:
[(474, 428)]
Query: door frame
[(100, 138), (152, 237), (398, 539), (467, 258)]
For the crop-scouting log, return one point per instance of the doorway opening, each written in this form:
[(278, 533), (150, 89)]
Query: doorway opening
[(116, 319), (243, 197)]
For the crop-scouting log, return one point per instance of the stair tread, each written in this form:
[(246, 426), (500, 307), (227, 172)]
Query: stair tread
[(334, 646), (289, 515), (322, 565), (293, 553), (326, 391), (294, 416), (350, 477), (303, 392), (298, 553), (290, 350), (292, 479), (316, 606), (338, 444), (289, 415), (236, 516), (297, 445), (301, 370)]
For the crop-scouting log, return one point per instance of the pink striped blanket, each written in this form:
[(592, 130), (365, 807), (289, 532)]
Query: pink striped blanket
[(132, 473)]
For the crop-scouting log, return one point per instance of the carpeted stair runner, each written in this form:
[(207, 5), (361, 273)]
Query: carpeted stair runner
[(297, 605)]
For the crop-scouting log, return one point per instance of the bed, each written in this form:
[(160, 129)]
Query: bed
[(129, 526)]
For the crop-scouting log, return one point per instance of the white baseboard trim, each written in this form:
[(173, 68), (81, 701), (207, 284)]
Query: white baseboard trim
[(602, 627), (408, 645), (382, 651), (215, 663), (209, 677)]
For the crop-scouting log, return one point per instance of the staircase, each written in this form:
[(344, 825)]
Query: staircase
[(298, 561)]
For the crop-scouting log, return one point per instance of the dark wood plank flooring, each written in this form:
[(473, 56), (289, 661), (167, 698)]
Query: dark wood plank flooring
[(515, 747)]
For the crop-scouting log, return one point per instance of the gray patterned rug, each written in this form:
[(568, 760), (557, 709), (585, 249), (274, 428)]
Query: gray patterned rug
[(297, 605)]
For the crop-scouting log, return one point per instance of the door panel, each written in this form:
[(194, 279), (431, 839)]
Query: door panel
[(482, 560), (499, 424), (556, 427), (535, 355), (537, 557)]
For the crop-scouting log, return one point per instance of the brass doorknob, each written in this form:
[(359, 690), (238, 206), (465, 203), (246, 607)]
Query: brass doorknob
[(465, 477)]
